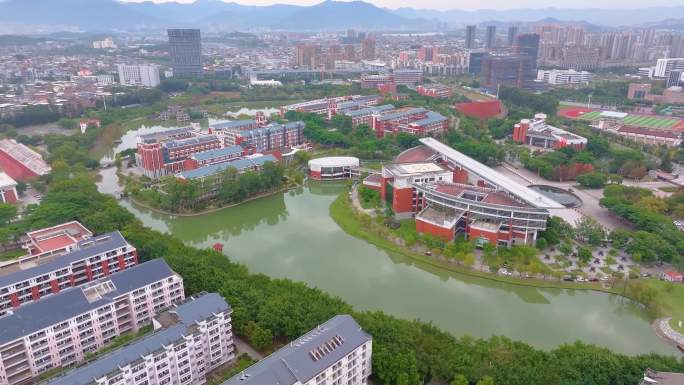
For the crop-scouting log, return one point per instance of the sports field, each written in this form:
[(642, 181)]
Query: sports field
[(648, 121)]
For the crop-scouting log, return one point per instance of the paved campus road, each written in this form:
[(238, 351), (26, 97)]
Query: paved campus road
[(242, 347)]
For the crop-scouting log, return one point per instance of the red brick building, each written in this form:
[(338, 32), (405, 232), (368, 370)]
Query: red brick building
[(8, 189), (413, 120), (449, 193), (536, 132), (482, 110), (438, 91), (20, 162)]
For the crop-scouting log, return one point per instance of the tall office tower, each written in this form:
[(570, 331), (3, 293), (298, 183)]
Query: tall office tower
[(512, 33), (490, 38), (527, 44), (306, 55), (428, 53), (368, 48), (507, 70), (186, 52), (349, 52), (470, 36)]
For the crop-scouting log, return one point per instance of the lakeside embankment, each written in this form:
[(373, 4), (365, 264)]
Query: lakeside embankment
[(346, 216)]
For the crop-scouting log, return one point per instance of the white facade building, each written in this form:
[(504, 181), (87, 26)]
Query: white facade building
[(337, 352), (146, 75), (189, 341), (106, 43), (559, 77), (105, 80), (665, 66), (334, 167), (61, 329)]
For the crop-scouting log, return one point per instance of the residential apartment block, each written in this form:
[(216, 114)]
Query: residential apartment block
[(60, 330), (91, 259), (271, 137), (413, 120), (146, 75), (190, 340), (337, 352)]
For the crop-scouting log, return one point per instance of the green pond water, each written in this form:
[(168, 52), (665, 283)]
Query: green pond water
[(291, 235)]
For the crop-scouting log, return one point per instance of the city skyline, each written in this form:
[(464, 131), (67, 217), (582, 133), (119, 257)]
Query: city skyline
[(447, 5)]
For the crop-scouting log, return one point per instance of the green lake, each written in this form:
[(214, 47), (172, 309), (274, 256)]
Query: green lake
[(291, 235)]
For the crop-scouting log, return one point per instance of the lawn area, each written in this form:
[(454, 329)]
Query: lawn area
[(343, 214), (671, 299), (224, 372), (12, 254), (369, 198), (407, 231)]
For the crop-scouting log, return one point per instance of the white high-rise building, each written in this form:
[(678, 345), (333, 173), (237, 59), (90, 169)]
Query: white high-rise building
[(665, 66), (146, 75), (106, 43), (557, 77)]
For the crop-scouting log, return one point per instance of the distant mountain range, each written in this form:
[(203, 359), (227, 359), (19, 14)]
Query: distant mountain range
[(605, 17), (106, 15)]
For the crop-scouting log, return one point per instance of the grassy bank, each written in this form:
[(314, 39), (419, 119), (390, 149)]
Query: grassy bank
[(667, 299), (344, 215)]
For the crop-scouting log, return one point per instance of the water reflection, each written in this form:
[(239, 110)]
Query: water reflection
[(291, 235), (217, 225)]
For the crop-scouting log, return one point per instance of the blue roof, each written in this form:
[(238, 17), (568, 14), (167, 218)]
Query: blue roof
[(160, 135), (232, 124), (191, 141), (293, 363), (432, 117), (402, 113), (369, 110), (213, 154), (190, 312), (72, 302), (271, 128), (239, 164), (85, 249)]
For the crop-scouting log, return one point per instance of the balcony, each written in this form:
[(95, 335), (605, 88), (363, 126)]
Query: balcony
[(17, 377), (17, 368), (14, 360), (13, 350)]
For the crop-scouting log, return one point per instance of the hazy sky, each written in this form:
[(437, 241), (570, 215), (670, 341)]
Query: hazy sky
[(474, 4)]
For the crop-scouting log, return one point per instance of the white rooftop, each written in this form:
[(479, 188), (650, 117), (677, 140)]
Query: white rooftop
[(334, 161), (494, 177), (6, 181), (417, 168), (614, 114)]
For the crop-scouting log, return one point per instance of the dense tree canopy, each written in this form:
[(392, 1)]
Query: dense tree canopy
[(404, 352)]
